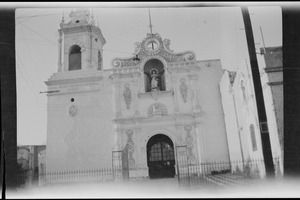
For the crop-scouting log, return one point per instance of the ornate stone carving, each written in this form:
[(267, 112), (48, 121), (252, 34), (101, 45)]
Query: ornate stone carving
[(73, 111), (143, 50), (155, 94), (130, 148), (157, 109), (231, 75), (127, 96), (189, 142), (183, 90), (166, 44)]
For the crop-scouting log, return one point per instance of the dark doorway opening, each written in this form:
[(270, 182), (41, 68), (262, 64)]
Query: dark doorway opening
[(160, 157)]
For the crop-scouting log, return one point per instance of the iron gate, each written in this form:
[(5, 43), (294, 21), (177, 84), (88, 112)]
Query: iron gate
[(120, 165)]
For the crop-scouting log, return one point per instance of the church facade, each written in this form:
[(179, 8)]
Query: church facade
[(146, 106)]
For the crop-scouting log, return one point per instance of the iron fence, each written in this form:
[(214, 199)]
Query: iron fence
[(78, 176), (27, 179), (221, 173)]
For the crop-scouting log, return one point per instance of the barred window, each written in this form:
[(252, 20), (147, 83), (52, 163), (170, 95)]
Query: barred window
[(161, 151)]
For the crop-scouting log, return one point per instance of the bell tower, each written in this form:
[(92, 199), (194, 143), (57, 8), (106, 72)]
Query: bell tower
[(78, 134), (80, 43)]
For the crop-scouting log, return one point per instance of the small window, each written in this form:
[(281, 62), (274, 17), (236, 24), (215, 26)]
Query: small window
[(243, 90), (99, 61), (253, 138)]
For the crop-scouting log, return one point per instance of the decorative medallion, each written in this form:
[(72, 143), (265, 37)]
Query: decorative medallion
[(127, 96), (183, 90), (73, 111), (157, 109)]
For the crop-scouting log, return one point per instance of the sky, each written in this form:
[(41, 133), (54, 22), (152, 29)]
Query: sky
[(211, 32)]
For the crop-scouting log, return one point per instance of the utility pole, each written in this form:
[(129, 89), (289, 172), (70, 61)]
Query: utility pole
[(262, 117)]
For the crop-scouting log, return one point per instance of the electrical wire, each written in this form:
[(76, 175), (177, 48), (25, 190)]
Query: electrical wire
[(27, 80), (39, 34)]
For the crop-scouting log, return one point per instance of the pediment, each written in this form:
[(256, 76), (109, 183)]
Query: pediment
[(153, 45)]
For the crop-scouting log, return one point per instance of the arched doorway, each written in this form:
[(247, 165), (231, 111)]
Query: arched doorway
[(160, 157)]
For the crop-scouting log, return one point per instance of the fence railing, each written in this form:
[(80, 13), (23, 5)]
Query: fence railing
[(188, 174), (79, 176), (220, 173), (26, 178)]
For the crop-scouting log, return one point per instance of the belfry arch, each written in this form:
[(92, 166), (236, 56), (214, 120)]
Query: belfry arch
[(75, 58)]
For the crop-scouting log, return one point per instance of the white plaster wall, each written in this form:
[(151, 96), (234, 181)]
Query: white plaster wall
[(212, 121), (83, 141), (233, 138), (247, 111)]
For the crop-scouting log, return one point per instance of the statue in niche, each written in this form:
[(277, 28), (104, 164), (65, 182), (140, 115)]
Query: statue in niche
[(154, 79)]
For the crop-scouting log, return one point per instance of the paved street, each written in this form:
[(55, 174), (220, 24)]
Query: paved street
[(159, 188)]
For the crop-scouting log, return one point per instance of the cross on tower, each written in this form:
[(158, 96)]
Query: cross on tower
[(150, 25)]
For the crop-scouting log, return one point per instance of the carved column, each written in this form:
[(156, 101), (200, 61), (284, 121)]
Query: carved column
[(130, 147), (65, 66), (189, 140), (116, 93), (59, 51), (83, 57), (135, 93), (175, 85), (200, 140), (194, 87), (117, 138), (91, 51)]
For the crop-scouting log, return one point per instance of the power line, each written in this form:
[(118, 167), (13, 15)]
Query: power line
[(39, 34), (32, 16), (27, 80), (56, 45)]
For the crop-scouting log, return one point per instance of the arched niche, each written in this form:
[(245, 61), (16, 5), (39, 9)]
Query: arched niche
[(154, 75)]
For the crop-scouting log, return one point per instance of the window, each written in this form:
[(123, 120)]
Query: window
[(253, 138), (154, 75), (161, 151), (75, 58), (243, 90), (99, 61)]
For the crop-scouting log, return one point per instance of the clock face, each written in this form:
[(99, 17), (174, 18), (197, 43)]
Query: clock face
[(73, 110), (152, 45)]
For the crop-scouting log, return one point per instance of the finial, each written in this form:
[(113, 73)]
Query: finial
[(63, 16), (62, 19), (150, 26)]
